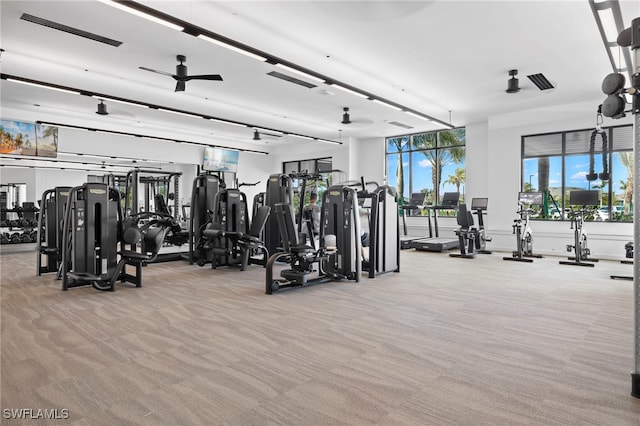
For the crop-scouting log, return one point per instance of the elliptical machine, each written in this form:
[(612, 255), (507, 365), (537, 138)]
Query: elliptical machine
[(522, 228), (579, 247)]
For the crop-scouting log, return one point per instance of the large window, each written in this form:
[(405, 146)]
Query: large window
[(557, 163), (426, 165)]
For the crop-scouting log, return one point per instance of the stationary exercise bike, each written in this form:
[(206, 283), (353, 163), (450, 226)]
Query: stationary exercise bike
[(522, 228), (479, 206), (579, 247)]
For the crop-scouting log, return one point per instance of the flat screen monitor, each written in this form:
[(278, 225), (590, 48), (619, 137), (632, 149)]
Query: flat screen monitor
[(530, 198), (584, 198), (220, 160), (450, 200), (479, 203), (417, 199)]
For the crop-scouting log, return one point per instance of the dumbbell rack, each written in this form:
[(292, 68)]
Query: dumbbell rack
[(20, 229)]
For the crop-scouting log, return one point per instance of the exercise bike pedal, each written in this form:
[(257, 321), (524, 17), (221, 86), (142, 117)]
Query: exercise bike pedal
[(569, 248)]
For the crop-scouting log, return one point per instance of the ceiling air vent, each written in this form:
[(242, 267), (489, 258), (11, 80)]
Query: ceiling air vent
[(290, 79), (541, 81), (404, 126), (70, 30)]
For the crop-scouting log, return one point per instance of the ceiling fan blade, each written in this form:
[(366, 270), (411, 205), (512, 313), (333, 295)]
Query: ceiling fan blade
[(157, 72), (180, 85), (216, 77)]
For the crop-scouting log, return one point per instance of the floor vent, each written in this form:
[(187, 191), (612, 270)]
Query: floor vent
[(70, 30), (541, 81), (290, 79)]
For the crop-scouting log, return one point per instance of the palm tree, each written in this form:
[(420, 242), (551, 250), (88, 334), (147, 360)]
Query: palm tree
[(626, 158), (439, 158), (543, 174), (457, 179), (399, 144)]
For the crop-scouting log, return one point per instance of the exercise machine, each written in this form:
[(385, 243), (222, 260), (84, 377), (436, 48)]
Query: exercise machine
[(157, 191), (628, 248), (204, 190), (339, 254), (579, 247), (479, 207), (416, 203), (438, 243), (229, 239), (49, 230), (90, 236), (144, 232), (522, 227), (381, 205), (467, 234), (93, 225), (279, 190)]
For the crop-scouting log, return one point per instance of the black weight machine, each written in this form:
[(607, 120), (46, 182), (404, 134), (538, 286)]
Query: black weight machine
[(203, 195), (228, 239), (381, 205), (522, 228), (579, 247), (157, 191), (90, 236), (49, 231), (339, 254), (93, 226), (279, 190)]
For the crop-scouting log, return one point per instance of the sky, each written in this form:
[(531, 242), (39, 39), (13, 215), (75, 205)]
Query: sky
[(577, 167)]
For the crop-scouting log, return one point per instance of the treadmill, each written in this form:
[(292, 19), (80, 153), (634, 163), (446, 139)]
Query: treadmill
[(416, 203), (438, 243)]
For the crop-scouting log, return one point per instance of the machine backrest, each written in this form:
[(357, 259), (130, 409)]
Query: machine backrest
[(464, 217), (161, 205), (286, 225), (259, 221)]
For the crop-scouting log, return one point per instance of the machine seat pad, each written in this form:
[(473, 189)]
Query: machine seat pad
[(134, 255)]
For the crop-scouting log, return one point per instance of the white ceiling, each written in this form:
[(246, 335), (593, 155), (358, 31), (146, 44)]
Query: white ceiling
[(440, 58)]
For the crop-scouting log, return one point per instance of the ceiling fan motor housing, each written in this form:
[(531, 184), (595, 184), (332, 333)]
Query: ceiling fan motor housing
[(513, 85)]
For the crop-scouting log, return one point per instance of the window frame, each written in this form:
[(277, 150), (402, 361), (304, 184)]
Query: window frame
[(410, 149), (563, 203)]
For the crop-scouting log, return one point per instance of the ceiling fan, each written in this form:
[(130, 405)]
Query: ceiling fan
[(181, 74)]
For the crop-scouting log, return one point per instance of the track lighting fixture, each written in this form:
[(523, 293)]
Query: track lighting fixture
[(102, 108), (256, 135), (345, 117), (512, 83)]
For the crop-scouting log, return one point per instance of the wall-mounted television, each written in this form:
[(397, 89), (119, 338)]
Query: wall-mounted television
[(19, 138), (220, 160)]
